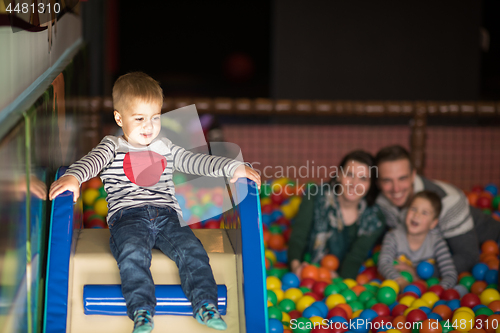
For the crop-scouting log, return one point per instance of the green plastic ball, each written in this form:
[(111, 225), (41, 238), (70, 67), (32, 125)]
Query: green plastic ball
[(349, 295), (432, 281), (496, 202), (342, 286), (416, 327), (371, 302), (307, 257), (337, 280), (304, 289), (302, 325), (407, 275), (331, 289), (271, 297), (485, 311), (492, 286), (365, 296), (467, 281), (356, 305), (274, 312), (386, 295), (371, 287), (286, 305), (446, 325), (375, 257)]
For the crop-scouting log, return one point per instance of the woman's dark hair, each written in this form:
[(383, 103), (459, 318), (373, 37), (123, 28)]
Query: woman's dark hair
[(433, 198), (362, 156)]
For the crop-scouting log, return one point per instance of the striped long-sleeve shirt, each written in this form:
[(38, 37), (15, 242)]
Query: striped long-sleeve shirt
[(455, 218), (434, 248), (134, 177)]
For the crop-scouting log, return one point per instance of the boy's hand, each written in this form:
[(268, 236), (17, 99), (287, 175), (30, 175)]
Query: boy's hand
[(402, 282), (246, 172), (65, 183)]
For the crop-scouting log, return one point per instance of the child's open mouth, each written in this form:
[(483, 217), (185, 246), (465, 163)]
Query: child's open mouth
[(414, 223)]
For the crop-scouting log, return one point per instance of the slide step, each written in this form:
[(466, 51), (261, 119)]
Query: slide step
[(170, 299)]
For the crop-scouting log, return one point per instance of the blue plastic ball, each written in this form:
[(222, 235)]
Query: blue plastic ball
[(479, 306), (413, 289), (425, 309), (289, 280), (322, 306), (425, 270), (338, 319), (275, 326), (492, 188), (282, 256), (479, 271), (360, 325), (453, 304), (311, 311), (491, 276), (368, 314), (441, 301), (434, 315)]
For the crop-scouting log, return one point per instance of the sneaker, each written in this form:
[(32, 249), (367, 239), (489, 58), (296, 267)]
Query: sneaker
[(143, 321), (210, 316)]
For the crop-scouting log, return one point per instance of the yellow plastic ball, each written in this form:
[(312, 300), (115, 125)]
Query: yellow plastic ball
[(464, 321), (295, 201), (408, 310), (489, 295), (430, 298), (418, 303), (374, 283), (304, 302), (350, 283), (265, 201), (317, 321), (465, 309), (101, 207), (334, 300), (391, 283), (369, 263), (356, 313), (407, 300), (89, 196), (285, 317), (269, 303), (294, 294), (279, 294), (269, 254), (272, 282)]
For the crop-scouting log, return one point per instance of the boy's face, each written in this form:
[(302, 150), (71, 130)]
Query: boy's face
[(420, 217), (141, 124)]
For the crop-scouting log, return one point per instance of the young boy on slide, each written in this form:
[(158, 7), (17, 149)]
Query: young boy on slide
[(417, 241), (143, 211)]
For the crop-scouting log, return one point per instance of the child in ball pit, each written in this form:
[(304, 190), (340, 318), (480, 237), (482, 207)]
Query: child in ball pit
[(143, 211), (417, 241)]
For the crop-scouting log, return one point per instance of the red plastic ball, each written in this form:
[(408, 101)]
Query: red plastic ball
[(371, 272), (399, 310), (437, 289), (319, 287), (294, 314), (336, 311), (307, 282), (416, 315), (377, 321), (212, 225), (450, 294), (483, 202), (422, 285), (470, 300), (314, 295), (381, 309)]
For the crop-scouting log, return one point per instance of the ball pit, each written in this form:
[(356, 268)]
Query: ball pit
[(314, 296)]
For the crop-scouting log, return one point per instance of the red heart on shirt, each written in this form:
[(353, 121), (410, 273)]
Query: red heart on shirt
[(144, 168)]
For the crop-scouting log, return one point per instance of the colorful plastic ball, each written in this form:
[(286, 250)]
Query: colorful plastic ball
[(275, 326), (421, 284), (365, 296), (350, 283), (483, 311), (479, 270), (433, 281), (491, 188), (381, 309), (337, 312), (356, 306), (413, 288), (426, 309), (368, 314), (286, 305), (293, 294), (416, 315), (302, 325), (304, 302), (470, 300), (386, 295), (307, 282), (333, 300), (273, 282), (489, 295), (347, 308), (361, 326), (434, 315), (464, 319), (96, 222), (349, 295), (430, 297), (440, 302), (453, 304), (370, 303), (494, 306), (311, 311), (274, 312), (290, 280), (390, 283), (271, 297), (450, 294), (491, 276), (398, 310), (89, 196), (322, 307), (309, 272), (443, 310), (461, 289), (431, 326), (330, 262), (407, 300), (331, 289), (425, 270)]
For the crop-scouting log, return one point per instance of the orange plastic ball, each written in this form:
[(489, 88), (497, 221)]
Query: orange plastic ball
[(461, 275), (399, 323), (493, 263), (330, 261), (443, 310), (431, 326), (484, 257), (266, 234), (478, 287), (494, 306), (472, 197), (347, 309), (490, 246), (276, 242), (358, 289), (324, 274), (309, 272), (477, 330), (94, 183), (362, 278)]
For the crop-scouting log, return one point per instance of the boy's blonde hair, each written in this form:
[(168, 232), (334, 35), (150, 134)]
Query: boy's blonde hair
[(134, 87)]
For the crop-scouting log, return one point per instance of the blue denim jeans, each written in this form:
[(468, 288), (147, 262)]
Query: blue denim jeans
[(134, 233)]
